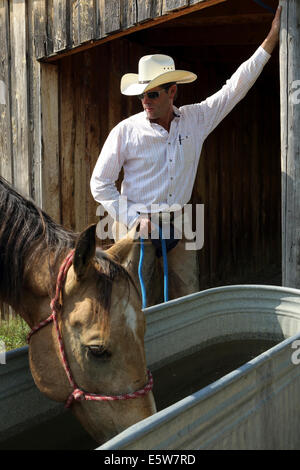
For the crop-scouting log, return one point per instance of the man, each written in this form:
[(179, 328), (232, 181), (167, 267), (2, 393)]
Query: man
[(160, 148)]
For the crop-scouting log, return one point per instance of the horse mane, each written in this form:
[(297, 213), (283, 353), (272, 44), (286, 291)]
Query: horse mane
[(27, 234)]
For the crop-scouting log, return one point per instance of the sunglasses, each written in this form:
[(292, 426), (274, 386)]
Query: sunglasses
[(152, 95)]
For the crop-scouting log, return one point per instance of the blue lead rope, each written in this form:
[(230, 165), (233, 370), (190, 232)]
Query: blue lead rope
[(165, 260), (140, 270)]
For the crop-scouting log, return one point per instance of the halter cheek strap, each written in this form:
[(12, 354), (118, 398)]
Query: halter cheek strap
[(77, 394)]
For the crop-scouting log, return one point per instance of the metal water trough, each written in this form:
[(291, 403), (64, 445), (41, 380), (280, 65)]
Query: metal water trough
[(239, 410), (257, 405)]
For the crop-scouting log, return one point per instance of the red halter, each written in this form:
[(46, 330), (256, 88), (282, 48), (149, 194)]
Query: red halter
[(78, 394)]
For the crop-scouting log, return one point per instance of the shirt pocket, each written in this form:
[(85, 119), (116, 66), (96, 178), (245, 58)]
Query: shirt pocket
[(187, 149)]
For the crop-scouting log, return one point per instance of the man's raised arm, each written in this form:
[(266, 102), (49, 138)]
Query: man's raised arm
[(272, 39)]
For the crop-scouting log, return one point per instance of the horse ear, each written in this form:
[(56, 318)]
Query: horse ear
[(84, 251), (120, 250)]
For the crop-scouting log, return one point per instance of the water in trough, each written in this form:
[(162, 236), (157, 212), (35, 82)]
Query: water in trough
[(171, 383)]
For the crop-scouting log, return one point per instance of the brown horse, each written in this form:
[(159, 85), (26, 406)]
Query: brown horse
[(99, 317)]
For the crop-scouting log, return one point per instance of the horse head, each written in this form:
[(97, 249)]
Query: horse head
[(102, 329), (92, 345)]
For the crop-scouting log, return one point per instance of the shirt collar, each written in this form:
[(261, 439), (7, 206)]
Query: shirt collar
[(176, 111)]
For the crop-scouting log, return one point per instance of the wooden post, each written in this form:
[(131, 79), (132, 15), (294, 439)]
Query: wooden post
[(51, 184), (290, 141)]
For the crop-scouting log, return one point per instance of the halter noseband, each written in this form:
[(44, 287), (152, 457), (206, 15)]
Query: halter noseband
[(77, 394)]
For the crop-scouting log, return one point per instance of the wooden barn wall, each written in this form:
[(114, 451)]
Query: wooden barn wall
[(20, 100), (31, 29), (62, 25), (238, 179)]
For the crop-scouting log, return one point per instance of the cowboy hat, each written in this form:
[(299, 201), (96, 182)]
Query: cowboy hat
[(154, 70)]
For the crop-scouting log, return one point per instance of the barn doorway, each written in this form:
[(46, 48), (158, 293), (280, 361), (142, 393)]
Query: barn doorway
[(239, 175)]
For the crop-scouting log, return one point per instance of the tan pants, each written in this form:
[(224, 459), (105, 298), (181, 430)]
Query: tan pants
[(183, 270)]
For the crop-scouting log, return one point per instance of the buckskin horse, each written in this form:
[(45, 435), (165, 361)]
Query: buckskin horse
[(88, 349)]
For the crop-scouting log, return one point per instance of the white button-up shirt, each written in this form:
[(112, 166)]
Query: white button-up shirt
[(159, 166)]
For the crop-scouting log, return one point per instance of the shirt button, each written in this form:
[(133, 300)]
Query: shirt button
[(171, 160), (171, 177), (170, 195)]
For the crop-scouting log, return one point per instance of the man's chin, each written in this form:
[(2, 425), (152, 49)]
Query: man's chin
[(150, 114)]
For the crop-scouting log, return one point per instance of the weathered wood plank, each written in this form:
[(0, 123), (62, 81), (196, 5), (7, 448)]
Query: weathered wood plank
[(61, 25), (49, 25), (84, 21), (19, 94), (194, 2), (34, 110), (144, 10), (110, 16), (109, 28), (68, 84), (5, 118), (80, 158), (284, 112), (290, 141), (171, 5), (50, 140), (148, 9), (128, 14), (39, 12)]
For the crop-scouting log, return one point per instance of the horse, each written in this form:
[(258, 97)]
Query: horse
[(89, 352)]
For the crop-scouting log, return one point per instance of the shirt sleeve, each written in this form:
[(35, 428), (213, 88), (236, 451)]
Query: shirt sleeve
[(216, 107), (105, 175)]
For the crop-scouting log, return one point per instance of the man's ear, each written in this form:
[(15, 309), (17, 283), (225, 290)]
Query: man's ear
[(85, 250), (173, 91)]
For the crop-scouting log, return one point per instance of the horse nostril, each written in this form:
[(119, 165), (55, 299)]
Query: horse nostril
[(99, 351)]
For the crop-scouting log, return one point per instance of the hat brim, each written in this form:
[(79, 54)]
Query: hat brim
[(130, 85)]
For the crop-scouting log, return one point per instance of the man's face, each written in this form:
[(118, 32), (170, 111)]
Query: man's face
[(159, 107)]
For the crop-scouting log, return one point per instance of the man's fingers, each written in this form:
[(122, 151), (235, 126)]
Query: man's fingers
[(278, 12)]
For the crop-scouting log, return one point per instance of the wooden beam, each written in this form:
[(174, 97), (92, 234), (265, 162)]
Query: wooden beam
[(290, 141), (111, 24)]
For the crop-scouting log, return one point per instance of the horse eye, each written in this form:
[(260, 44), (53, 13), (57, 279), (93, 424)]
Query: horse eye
[(99, 351)]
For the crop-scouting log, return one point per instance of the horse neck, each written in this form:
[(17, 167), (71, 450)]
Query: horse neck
[(38, 288), (152, 276)]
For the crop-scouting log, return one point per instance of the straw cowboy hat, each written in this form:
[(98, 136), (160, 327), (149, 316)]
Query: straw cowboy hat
[(154, 70)]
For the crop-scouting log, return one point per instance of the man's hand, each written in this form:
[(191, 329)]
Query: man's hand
[(273, 37), (145, 226)]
